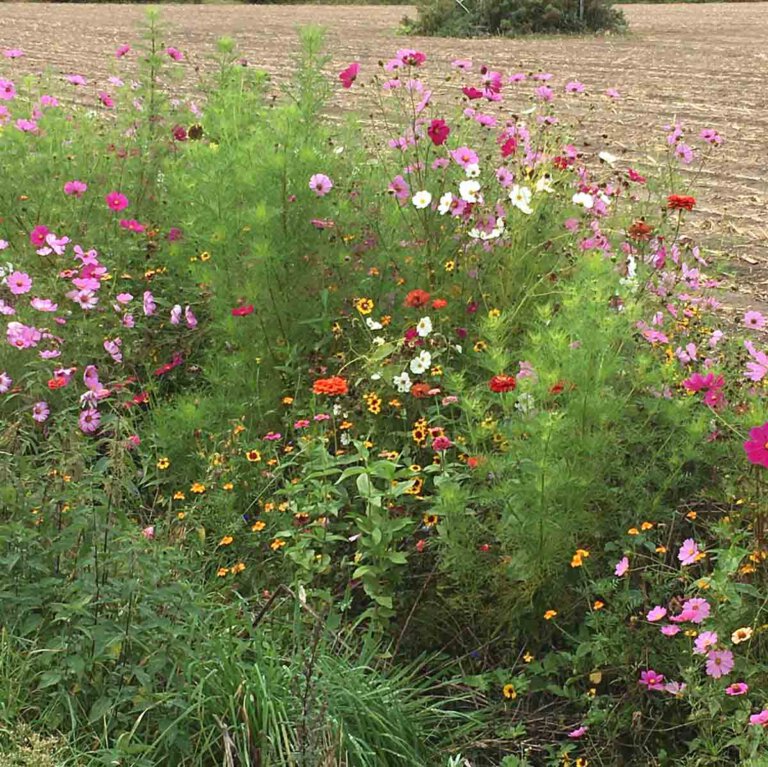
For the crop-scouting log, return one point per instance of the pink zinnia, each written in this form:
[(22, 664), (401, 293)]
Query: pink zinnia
[(578, 732), (320, 184), (756, 447), (19, 283), (116, 201), (737, 688), (719, 663), (761, 718), (656, 613), (441, 443), (689, 552), (75, 188)]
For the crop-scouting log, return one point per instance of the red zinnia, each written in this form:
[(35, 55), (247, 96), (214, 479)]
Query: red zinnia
[(439, 303), (242, 311), (56, 382), (680, 202), (438, 131), (502, 383), (335, 386), (417, 298), (420, 390), (640, 231)]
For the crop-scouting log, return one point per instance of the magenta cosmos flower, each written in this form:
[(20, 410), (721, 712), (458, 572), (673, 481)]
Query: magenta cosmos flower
[(320, 184), (122, 51), (19, 283), (756, 447), (651, 680), (719, 663), (349, 75), (174, 53), (116, 201), (75, 188)]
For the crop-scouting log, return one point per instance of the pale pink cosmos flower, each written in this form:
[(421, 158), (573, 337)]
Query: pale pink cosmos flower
[(719, 663), (320, 184), (612, 93), (43, 304), (19, 283), (757, 369), (149, 304), (40, 412), (13, 53), (26, 126), (149, 532), (53, 244), (760, 719), (622, 566), (124, 298), (49, 354), (22, 336), (176, 315), (85, 299), (113, 349), (75, 188), (189, 318), (675, 688), (48, 101), (695, 610), (76, 79), (464, 156), (737, 688), (5, 383), (704, 642), (89, 420), (400, 189), (656, 614), (579, 732), (7, 90), (574, 87), (689, 552), (670, 631), (461, 64), (753, 320), (544, 93)]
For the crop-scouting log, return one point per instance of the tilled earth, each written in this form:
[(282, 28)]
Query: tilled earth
[(706, 65)]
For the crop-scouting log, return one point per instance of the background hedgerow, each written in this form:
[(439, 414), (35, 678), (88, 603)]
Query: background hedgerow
[(402, 440)]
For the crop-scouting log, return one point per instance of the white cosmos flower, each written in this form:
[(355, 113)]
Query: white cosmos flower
[(421, 199), (468, 190), (445, 203), (402, 382), (520, 197), (345, 438), (472, 170), (424, 327), (544, 184), (375, 376), (584, 199), (422, 363), (379, 341), (372, 324), (608, 157), (604, 198)]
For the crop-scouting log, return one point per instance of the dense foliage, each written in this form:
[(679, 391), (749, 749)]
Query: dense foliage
[(408, 441)]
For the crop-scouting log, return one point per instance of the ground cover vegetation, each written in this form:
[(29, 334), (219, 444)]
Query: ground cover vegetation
[(408, 439)]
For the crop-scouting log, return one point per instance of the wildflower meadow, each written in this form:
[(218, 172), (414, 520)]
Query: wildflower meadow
[(413, 435)]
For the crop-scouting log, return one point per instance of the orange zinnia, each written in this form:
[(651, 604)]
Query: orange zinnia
[(335, 386)]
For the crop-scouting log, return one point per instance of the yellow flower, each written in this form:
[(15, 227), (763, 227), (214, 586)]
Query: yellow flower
[(364, 305), (222, 571), (449, 266), (579, 557), (205, 256), (163, 463), (181, 515), (480, 346), (509, 691), (258, 526), (238, 429), (254, 456), (430, 520), (633, 531), (287, 400), (373, 402), (227, 486), (528, 657), (226, 540), (278, 543), (179, 495), (598, 605), (691, 515), (493, 313), (238, 568), (741, 635), (661, 549), (646, 526), (198, 488), (549, 614)]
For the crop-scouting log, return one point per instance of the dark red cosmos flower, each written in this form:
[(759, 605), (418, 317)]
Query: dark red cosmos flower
[(640, 231), (508, 147), (140, 399), (242, 311), (472, 93), (635, 176), (417, 298), (562, 163), (179, 133), (502, 383), (680, 202), (349, 75), (176, 360), (438, 131)]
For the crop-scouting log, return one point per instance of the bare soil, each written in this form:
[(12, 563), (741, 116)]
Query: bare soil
[(706, 65)]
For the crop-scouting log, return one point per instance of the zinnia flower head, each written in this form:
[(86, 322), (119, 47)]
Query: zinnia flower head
[(680, 202), (500, 384), (335, 386)]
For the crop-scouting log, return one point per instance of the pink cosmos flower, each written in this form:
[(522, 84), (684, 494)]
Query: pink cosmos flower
[(53, 244), (719, 663), (656, 614), (124, 298), (349, 75), (757, 369), (85, 299), (689, 552), (579, 732), (26, 126), (40, 412), (132, 225), (400, 189), (651, 680), (5, 383), (7, 90), (464, 156), (48, 101), (711, 136), (754, 320), (273, 436), (22, 336), (320, 184), (76, 79), (544, 93), (106, 99), (174, 53), (612, 93), (461, 64), (410, 57), (113, 349), (622, 566), (75, 188), (89, 420), (756, 447), (737, 688), (704, 642), (695, 610), (176, 315), (675, 688), (190, 318), (149, 304), (116, 201), (574, 87), (13, 53), (49, 354), (122, 51), (19, 283), (670, 631), (149, 532)]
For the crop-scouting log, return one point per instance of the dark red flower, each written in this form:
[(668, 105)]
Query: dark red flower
[(179, 133), (349, 75), (635, 176), (680, 202), (502, 383), (438, 131), (508, 147), (640, 231), (472, 93), (242, 311)]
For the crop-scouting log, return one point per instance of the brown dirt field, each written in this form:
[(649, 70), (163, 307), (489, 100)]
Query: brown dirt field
[(704, 64)]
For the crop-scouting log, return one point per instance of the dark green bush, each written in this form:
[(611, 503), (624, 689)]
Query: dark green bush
[(514, 17)]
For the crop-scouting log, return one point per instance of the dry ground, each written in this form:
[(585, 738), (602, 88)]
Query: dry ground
[(705, 64)]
